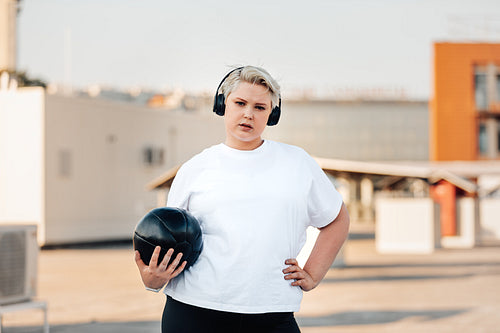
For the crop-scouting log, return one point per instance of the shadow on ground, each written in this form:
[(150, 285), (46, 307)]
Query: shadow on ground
[(353, 318), (94, 327), (372, 317), (394, 278)]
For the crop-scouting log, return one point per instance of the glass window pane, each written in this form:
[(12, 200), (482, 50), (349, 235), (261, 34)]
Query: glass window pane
[(483, 139), (498, 87), (498, 135), (480, 91), (65, 163)]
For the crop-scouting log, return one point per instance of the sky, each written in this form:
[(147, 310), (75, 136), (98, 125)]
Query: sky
[(317, 46)]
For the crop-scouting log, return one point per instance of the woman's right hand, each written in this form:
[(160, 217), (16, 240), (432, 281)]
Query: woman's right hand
[(156, 275)]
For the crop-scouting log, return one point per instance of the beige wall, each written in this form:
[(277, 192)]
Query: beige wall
[(90, 176), (356, 130), (75, 166), (96, 174), (80, 174)]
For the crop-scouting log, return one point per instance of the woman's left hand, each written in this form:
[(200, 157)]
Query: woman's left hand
[(301, 277)]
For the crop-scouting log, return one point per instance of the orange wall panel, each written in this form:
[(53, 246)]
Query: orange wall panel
[(453, 118)]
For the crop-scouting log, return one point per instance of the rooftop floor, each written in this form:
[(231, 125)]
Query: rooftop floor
[(99, 290)]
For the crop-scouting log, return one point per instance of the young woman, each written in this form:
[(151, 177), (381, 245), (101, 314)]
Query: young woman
[(254, 199)]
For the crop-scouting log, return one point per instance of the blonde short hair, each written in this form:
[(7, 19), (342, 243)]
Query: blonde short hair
[(253, 75)]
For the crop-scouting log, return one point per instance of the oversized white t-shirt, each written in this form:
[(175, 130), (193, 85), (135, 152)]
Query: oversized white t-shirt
[(253, 208)]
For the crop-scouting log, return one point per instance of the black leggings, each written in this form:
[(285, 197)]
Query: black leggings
[(183, 318)]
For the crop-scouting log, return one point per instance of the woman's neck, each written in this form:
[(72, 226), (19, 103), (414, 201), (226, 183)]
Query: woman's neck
[(242, 145)]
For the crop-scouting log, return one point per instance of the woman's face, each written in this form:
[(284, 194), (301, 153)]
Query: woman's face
[(247, 110)]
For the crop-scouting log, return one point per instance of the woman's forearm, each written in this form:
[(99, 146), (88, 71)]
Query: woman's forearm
[(327, 246)]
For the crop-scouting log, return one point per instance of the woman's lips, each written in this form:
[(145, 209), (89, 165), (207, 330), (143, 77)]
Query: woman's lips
[(246, 126)]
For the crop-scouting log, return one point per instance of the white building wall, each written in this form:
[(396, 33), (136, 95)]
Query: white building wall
[(81, 175), (96, 173), (407, 225), (467, 221), (489, 212), (22, 157)]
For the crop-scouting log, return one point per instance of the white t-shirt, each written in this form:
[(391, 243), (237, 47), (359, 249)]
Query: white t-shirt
[(253, 208)]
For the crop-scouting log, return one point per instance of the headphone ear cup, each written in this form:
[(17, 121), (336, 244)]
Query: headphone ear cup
[(219, 105), (274, 117)]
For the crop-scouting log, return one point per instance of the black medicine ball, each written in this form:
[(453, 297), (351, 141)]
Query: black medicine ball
[(169, 228)]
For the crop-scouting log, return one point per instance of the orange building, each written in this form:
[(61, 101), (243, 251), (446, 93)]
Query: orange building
[(464, 114), (465, 107)]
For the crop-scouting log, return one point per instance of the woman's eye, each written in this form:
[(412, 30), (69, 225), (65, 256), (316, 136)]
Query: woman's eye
[(260, 108), (240, 103)]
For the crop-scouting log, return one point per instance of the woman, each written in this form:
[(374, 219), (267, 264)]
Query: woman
[(254, 199)]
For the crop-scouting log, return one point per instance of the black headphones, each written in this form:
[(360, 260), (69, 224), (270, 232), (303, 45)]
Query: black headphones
[(220, 105)]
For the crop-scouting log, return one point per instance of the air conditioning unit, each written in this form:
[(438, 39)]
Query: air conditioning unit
[(18, 263)]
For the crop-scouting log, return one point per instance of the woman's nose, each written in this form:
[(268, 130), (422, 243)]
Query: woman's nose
[(248, 113)]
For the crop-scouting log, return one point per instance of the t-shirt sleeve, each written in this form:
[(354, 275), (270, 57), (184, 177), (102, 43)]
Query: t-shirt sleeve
[(324, 201)]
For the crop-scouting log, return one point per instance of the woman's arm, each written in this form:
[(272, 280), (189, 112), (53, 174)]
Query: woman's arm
[(326, 248)]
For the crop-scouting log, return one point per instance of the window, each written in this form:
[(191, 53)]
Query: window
[(480, 91), (498, 87), (498, 138), (483, 139), (489, 138), (487, 102), (65, 163), (487, 87), (153, 156)]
